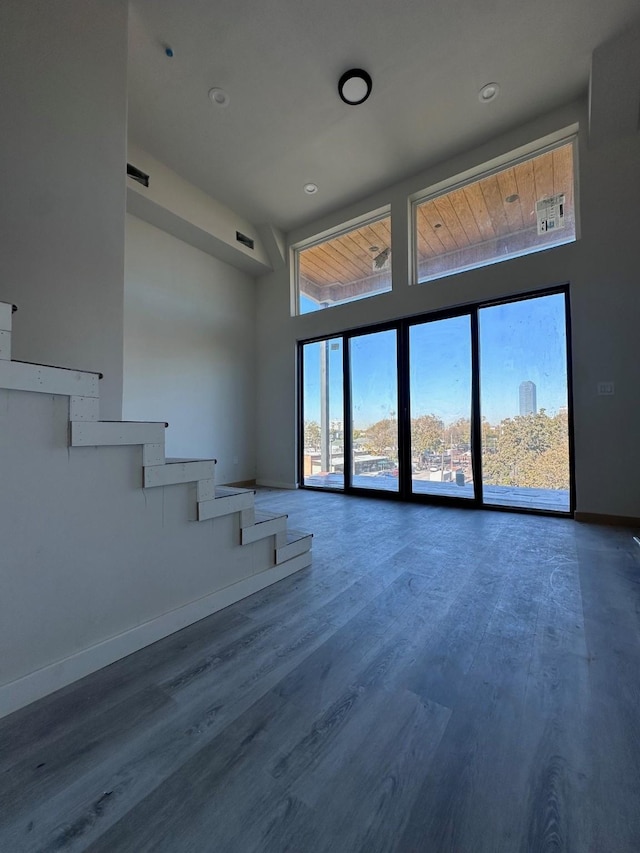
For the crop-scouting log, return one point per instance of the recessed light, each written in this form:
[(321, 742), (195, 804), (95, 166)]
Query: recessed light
[(512, 198), (354, 87), (489, 92), (219, 97), (311, 189), (438, 225)]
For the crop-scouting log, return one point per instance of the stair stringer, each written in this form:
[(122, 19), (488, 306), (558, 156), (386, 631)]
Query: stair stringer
[(165, 487)]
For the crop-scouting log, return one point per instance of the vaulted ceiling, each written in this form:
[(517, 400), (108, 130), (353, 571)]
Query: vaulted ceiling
[(279, 61)]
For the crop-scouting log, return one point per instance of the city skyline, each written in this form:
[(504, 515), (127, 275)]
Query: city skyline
[(517, 339)]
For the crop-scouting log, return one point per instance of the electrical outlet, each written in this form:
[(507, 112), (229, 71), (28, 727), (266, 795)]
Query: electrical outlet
[(606, 389)]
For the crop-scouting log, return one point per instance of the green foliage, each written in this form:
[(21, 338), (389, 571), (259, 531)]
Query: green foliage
[(530, 451), (426, 434), (381, 438)]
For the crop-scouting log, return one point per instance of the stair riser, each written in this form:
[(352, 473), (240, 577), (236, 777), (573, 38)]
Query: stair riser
[(5, 345), (87, 434), (263, 529), (6, 310), (153, 454), (16, 376), (84, 409), (179, 472), (224, 506), (293, 549), (206, 490)]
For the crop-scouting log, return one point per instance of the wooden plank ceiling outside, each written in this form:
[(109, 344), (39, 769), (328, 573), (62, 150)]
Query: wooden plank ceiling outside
[(498, 205), (347, 258), (495, 206)]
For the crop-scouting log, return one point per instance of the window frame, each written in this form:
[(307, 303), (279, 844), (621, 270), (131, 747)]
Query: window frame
[(569, 135), (369, 218)]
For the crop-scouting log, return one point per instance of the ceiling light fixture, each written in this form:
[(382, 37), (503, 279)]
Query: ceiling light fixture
[(219, 97), (354, 87), (311, 189), (511, 198), (489, 92)]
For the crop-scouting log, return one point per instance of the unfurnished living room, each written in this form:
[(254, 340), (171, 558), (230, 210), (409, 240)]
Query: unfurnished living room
[(319, 458)]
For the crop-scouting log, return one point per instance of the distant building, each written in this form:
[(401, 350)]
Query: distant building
[(528, 405)]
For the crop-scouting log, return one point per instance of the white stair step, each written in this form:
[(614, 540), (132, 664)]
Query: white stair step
[(173, 473), (301, 561), (226, 491), (296, 543), (266, 524), (98, 433), (153, 454), (84, 409), (225, 502), (5, 345), (21, 376), (6, 310)]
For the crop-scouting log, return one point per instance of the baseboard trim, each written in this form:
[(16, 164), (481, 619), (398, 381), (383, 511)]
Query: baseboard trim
[(241, 484), (275, 484), (23, 691), (598, 518)]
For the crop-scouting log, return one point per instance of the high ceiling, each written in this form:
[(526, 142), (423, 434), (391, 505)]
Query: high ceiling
[(285, 125)]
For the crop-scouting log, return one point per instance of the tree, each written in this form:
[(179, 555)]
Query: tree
[(426, 434), (530, 451), (312, 435), (459, 433), (381, 438)]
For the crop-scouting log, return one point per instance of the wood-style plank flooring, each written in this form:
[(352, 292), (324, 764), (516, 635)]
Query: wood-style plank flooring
[(439, 680)]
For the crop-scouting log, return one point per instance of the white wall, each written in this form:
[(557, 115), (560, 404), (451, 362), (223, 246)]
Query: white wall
[(602, 268), (189, 349), (181, 209), (63, 68)]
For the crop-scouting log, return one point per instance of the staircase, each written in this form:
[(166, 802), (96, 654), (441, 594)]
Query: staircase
[(274, 551)]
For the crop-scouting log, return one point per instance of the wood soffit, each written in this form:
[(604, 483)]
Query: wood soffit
[(500, 204)]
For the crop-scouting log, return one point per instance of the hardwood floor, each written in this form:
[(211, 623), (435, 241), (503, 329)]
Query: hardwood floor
[(438, 680)]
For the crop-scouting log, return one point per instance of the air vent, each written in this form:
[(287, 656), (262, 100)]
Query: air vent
[(137, 175), (246, 241)]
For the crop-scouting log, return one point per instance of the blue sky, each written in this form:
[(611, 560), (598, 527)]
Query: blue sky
[(518, 341)]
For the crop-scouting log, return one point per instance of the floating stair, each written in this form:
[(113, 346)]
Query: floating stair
[(87, 430)]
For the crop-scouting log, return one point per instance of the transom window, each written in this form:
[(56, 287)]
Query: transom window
[(351, 264), (523, 207)]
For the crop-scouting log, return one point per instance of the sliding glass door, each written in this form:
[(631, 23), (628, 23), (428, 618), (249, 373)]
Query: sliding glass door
[(469, 407), (524, 404), (373, 372), (322, 414), (440, 406)]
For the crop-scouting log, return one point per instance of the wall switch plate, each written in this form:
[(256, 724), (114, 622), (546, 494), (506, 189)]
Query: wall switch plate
[(606, 389)]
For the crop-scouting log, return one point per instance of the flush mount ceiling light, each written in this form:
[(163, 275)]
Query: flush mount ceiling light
[(218, 97), (354, 87), (511, 198), (489, 92), (311, 189)]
